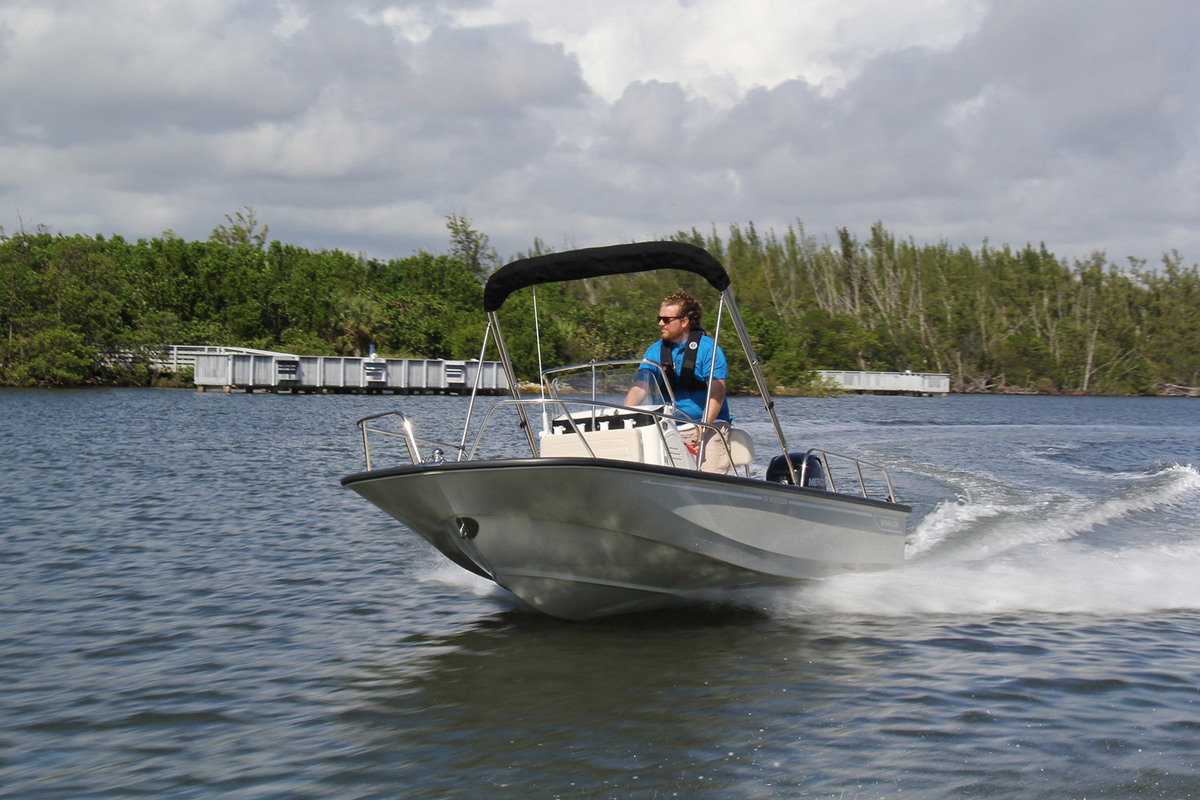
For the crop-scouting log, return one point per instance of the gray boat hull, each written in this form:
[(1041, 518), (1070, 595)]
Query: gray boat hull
[(583, 538)]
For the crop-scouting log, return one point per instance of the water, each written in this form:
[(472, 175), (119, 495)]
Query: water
[(191, 606)]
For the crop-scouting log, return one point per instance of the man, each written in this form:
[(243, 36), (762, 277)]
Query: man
[(685, 354)]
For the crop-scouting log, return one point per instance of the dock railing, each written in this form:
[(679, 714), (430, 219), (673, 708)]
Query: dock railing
[(177, 357)]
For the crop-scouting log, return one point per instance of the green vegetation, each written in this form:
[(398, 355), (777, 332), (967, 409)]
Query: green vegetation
[(995, 319)]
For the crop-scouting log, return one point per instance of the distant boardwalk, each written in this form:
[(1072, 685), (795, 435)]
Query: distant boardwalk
[(909, 383), (244, 369), (234, 369)]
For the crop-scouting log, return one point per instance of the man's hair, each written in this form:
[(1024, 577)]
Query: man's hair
[(689, 306)]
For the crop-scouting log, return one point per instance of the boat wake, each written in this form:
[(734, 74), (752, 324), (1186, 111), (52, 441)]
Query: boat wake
[(967, 529), (1134, 551)]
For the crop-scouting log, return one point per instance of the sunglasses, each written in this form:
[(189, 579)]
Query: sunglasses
[(667, 320)]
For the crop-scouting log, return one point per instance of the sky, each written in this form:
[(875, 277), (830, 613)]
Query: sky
[(362, 125)]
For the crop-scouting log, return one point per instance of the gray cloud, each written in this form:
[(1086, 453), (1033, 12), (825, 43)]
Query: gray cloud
[(69, 76), (1070, 122), (1047, 124), (485, 71)]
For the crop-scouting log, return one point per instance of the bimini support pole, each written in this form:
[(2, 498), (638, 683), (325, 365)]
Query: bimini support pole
[(759, 380), (711, 365), (462, 444), (514, 387)]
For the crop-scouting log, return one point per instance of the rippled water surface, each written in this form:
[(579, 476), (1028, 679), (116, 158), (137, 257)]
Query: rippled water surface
[(192, 606)]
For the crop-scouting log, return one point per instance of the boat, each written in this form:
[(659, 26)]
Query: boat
[(602, 510)]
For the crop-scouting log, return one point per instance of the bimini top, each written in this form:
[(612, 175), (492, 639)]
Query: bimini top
[(594, 262)]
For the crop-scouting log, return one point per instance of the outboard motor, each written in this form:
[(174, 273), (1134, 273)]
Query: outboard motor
[(814, 475)]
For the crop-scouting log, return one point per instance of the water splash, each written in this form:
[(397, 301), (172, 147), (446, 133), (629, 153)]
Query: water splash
[(1068, 580), (446, 573), (969, 529), (1030, 558)]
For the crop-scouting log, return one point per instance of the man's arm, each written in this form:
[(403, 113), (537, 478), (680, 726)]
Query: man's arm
[(715, 401), (637, 393), (711, 411)]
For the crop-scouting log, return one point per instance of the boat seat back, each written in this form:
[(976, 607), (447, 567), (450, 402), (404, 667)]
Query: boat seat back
[(741, 447), (662, 444), (620, 445)]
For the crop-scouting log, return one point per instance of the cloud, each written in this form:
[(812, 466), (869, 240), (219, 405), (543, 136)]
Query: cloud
[(71, 75), (480, 71), (720, 49), (1075, 123)]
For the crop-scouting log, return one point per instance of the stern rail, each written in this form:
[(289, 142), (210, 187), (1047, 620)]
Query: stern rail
[(857, 465)]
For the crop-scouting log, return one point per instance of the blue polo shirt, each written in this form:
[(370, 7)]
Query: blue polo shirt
[(691, 403)]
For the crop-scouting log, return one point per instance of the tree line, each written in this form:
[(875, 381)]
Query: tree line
[(995, 319)]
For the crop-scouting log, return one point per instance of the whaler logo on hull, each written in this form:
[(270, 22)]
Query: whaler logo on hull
[(888, 524)]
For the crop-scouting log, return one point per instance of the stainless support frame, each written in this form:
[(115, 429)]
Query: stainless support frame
[(513, 386), (759, 380)]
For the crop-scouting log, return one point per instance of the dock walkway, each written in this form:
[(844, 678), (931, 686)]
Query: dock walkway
[(245, 369), (238, 369), (921, 384)]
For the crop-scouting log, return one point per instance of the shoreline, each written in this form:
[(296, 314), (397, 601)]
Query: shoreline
[(1172, 391)]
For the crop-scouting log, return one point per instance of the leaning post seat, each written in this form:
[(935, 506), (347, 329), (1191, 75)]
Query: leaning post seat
[(741, 448)]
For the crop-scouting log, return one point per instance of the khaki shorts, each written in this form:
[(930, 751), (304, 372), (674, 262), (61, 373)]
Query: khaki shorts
[(715, 453)]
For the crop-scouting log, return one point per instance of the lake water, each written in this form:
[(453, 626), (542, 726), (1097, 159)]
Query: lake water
[(192, 606)]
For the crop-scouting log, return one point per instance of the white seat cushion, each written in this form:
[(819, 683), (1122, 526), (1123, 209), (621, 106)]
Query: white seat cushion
[(741, 447), (621, 445)]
